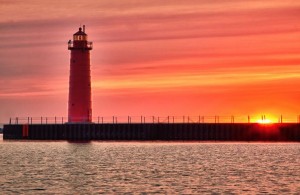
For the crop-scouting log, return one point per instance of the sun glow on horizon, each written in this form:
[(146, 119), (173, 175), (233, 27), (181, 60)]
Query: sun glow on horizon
[(264, 121)]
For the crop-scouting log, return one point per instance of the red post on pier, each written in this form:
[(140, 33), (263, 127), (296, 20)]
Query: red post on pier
[(80, 100)]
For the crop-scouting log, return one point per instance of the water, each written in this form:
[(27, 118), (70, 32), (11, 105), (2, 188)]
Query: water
[(149, 167)]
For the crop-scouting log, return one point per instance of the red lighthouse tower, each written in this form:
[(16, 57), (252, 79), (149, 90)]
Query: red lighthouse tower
[(80, 100)]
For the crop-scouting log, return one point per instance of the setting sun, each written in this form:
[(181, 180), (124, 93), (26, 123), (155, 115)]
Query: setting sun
[(264, 121)]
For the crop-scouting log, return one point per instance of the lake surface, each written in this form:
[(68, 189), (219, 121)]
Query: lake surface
[(38, 167)]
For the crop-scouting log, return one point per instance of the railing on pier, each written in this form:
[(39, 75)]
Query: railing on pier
[(157, 119)]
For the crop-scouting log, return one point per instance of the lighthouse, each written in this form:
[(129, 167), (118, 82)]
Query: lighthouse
[(80, 100)]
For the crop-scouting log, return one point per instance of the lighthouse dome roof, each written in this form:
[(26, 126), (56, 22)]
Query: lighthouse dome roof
[(80, 32)]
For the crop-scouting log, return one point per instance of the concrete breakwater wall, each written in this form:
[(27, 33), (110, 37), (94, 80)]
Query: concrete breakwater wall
[(163, 131)]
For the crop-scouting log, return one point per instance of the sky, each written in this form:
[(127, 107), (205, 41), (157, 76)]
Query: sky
[(154, 58)]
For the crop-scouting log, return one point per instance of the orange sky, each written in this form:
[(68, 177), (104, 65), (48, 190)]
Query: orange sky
[(154, 57)]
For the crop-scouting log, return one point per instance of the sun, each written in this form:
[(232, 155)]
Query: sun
[(264, 121)]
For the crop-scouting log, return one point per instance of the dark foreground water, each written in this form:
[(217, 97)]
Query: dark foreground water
[(149, 167)]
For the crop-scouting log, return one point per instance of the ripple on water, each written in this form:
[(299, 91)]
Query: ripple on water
[(146, 167)]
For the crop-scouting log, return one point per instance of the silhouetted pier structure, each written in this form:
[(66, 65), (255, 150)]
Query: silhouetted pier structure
[(160, 128)]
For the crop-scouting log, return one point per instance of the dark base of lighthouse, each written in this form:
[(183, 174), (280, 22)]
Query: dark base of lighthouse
[(168, 132)]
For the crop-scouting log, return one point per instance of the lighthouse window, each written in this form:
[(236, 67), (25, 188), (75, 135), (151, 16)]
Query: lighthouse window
[(78, 37)]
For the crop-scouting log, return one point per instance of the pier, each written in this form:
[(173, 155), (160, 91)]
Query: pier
[(165, 129)]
